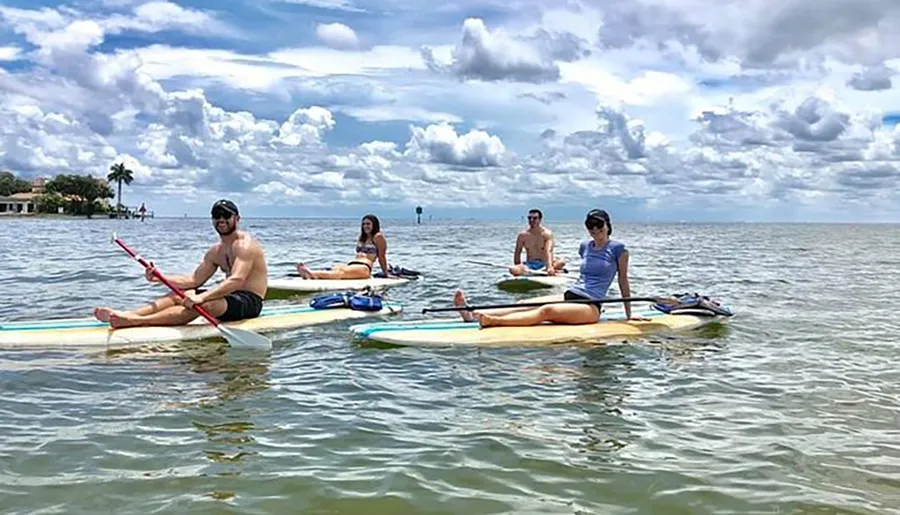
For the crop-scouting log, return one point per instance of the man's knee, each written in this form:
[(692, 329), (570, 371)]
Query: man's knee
[(169, 297), (215, 307)]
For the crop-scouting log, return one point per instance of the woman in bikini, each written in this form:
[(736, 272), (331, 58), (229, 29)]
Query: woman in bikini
[(602, 260), (370, 246)]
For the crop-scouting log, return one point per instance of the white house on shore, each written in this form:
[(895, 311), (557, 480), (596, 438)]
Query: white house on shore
[(22, 203), (17, 204)]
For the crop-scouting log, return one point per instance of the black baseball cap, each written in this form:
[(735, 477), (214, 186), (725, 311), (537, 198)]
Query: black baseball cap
[(595, 215), (227, 205)]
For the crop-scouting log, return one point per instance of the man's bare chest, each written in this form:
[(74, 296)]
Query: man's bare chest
[(535, 241), (224, 259)]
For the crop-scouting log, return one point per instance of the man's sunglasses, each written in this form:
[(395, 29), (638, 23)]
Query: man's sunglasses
[(221, 213), (533, 217), (594, 223)]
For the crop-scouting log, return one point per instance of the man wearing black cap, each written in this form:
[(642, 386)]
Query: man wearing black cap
[(238, 297)]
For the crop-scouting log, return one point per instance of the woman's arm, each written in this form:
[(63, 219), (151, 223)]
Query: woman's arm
[(381, 245), (624, 285)]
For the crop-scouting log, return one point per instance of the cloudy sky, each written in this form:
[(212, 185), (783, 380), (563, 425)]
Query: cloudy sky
[(653, 109)]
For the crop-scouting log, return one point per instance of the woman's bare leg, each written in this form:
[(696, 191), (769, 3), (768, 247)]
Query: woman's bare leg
[(459, 300), (570, 314), (345, 272)]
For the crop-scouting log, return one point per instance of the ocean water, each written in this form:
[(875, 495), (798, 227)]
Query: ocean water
[(792, 407)]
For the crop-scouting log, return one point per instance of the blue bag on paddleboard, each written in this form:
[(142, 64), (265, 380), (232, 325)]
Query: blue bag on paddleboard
[(331, 300), (359, 302), (692, 304), (366, 302)]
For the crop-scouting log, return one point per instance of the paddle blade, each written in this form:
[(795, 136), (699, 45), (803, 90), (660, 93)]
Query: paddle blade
[(245, 339)]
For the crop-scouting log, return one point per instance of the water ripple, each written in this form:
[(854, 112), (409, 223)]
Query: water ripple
[(793, 408)]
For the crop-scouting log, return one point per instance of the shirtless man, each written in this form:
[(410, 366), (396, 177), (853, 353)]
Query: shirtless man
[(538, 244), (240, 296)]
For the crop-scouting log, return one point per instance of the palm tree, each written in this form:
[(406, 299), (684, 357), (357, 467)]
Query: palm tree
[(118, 173)]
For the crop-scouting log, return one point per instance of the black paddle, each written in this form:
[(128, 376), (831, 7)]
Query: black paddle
[(534, 304)]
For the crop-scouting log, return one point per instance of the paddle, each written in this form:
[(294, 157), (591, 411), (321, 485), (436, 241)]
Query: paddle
[(485, 263), (535, 304), (541, 273), (235, 336)]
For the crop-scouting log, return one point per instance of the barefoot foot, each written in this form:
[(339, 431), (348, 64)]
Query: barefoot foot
[(484, 320), (122, 320), (102, 313), (303, 271), (459, 300)]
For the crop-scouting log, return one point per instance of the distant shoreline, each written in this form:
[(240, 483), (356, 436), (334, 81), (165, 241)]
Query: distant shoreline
[(98, 216), (39, 215)]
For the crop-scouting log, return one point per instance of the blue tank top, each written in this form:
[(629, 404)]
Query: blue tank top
[(599, 267)]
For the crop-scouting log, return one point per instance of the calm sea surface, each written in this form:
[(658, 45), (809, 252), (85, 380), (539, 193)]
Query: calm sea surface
[(794, 407)]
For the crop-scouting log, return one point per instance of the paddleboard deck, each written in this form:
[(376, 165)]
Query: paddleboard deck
[(455, 332), (300, 285), (69, 332)]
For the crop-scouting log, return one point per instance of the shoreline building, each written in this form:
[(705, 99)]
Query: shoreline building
[(22, 203)]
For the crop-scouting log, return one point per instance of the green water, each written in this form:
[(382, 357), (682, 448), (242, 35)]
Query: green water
[(791, 408)]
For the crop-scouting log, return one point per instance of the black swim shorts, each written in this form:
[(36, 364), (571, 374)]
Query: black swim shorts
[(571, 295), (241, 305)]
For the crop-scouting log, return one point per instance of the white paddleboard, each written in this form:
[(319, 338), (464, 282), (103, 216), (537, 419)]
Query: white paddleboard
[(298, 284), (71, 332)]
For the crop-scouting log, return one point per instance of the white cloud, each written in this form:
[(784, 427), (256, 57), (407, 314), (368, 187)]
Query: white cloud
[(305, 126), (668, 115), (383, 113), (646, 88), (323, 61), (153, 16), (498, 55), (761, 33), (33, 23), (9, 53), (156, 16), (873, 78), (265, 72), (337, 35), (440, 144), (339, 5)]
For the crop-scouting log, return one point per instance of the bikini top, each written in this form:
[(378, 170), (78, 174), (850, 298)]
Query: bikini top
[(368, 248)]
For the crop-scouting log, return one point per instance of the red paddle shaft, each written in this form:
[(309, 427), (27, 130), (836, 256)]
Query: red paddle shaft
[(199, 309)]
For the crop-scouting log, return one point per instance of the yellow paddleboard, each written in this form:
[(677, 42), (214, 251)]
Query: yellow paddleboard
[(451, 332), (454, 331), (91, 332)]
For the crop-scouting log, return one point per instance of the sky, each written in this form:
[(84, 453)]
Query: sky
[(668, 110)]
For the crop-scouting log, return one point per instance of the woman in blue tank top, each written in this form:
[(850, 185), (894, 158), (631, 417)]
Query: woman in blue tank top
[(370, 246), (602, 259)]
